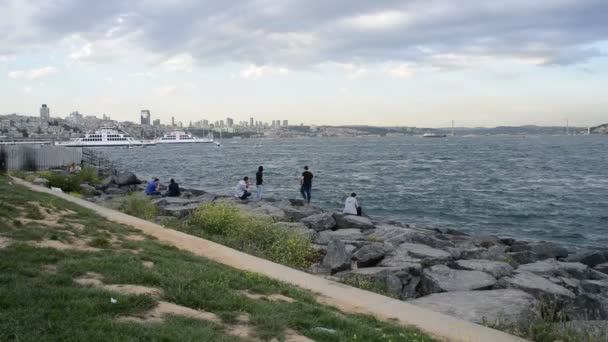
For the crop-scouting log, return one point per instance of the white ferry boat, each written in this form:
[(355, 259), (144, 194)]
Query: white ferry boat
[(104, 137), (181, 137)]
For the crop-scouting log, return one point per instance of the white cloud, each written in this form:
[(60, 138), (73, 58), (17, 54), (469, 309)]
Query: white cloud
[(166, 90), (7, 58), (353, 71), (31, 74), (377, 21), (253, 71), (401, 71), (27, 89), (181, 62)]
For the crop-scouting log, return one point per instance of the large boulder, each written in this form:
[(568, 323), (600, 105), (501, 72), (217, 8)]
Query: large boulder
[(542, 250), (369, 255), (126, 178), (440, 278), (590, 258), (297, 209), (590, 330), (410, 252), (603, 267), (337, 258), (499, 307), (116, 191), (344, 221), (172, 201), (497, 269), (179, 211), (105, 183), (535, 285), (397, 235), (269, 210), (399, 282), (324, 237), (298, 228), (320, 222), (554, 268)]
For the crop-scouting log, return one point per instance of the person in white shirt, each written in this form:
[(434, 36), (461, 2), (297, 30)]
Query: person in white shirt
[(351, 206), (242, 189)]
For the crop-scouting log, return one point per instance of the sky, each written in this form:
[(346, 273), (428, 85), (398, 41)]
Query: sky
[(385, 62)]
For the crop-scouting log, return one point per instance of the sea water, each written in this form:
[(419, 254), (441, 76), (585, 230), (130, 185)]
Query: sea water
[(552, 188)]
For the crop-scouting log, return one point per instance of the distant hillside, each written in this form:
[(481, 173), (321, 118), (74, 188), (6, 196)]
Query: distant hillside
[(601, 129)]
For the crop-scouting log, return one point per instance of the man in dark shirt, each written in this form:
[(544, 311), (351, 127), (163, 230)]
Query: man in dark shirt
[(173, 189), (306, 182), (259, 183)]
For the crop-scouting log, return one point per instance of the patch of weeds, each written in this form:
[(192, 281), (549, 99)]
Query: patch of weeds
[(139, 205), (33, 212), (67, 183), (368, 285), (251, 234), (100, 242)]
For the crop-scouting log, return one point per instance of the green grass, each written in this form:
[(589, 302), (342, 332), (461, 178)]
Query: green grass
[(137, 204), (38, 305)]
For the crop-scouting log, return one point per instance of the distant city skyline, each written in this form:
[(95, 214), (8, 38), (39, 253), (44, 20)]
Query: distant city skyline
[(389, 63)]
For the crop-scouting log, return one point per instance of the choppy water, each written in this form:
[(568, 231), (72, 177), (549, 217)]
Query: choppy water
[(550, 188)]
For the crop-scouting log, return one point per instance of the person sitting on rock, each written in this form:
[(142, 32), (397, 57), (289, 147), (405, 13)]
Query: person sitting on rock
[(153, 187), (242, 189), (173, 189), (351, 206)]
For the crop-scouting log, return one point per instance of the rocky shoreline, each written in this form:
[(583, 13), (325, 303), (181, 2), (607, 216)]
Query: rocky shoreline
[(484, 279)]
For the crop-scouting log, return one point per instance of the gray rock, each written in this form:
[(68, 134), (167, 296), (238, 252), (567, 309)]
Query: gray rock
[(352, 221), (179, 211), (497, 269), (587, 306), (203, 198), (554, 268), (127, 178), (105, 183), (595, 286), (319, 269), (548, 250), (320, 222), (590, 330), (116, 191), (298, 228), (397, 281), (440, 278), (269, 210), (172, 201), (485, 241), (499, 307), (297, 210), (41, 181), (588, 257), (409, 252), (455, 232), (337, 257), (522, 257), (535, 285), (602, 268), (324, 237), (369, 255)]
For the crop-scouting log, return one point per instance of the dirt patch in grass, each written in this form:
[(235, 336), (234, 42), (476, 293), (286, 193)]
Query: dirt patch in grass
[(135, 237), (272, 297), (147, 264), (50, 269), (34, 212), (77, 244), (4, 242), (163, 309), (95, 280), (293, 336)]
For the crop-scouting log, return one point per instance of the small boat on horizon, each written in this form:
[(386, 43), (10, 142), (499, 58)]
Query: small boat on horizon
[(434, 135)]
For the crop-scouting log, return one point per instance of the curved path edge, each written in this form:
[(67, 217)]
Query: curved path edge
[(331, 293)]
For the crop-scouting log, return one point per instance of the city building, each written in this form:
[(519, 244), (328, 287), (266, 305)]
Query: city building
[(45, 113), (229, 122), (156, 123), (172, 121), (251, 122), (145, 117), (285, 123)]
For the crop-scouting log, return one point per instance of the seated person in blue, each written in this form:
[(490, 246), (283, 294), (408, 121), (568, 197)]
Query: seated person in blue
[(153, 187)]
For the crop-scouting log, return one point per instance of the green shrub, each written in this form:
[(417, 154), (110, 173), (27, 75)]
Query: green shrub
[(138, 205), (67, 183), (88, 174), (251, 234)]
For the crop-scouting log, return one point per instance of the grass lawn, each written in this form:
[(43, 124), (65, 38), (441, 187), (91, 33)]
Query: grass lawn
[(60, 266)]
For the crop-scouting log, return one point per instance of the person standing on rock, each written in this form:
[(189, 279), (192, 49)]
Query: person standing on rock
[(351, 205), (306, 184), (259, 183), (242, 189)]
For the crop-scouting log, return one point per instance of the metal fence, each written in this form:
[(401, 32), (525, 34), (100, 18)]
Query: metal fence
[(98, 160), (39, 157)]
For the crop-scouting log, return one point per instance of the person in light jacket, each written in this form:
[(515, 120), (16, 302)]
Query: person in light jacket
[(242, 189), (351, 206)]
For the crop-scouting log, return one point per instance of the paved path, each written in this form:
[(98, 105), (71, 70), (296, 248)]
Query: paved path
[(338, 295)]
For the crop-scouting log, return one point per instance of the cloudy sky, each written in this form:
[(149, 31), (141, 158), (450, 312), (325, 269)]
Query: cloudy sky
[(388, 62)]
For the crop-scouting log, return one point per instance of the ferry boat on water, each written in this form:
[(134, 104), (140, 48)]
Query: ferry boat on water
[(434, 135), (104, 137), (181, 137)]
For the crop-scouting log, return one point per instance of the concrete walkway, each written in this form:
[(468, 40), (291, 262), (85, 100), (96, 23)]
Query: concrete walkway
[(331, 293)]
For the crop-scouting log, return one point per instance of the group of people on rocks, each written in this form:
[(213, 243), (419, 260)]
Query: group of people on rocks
[(242, 190)]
